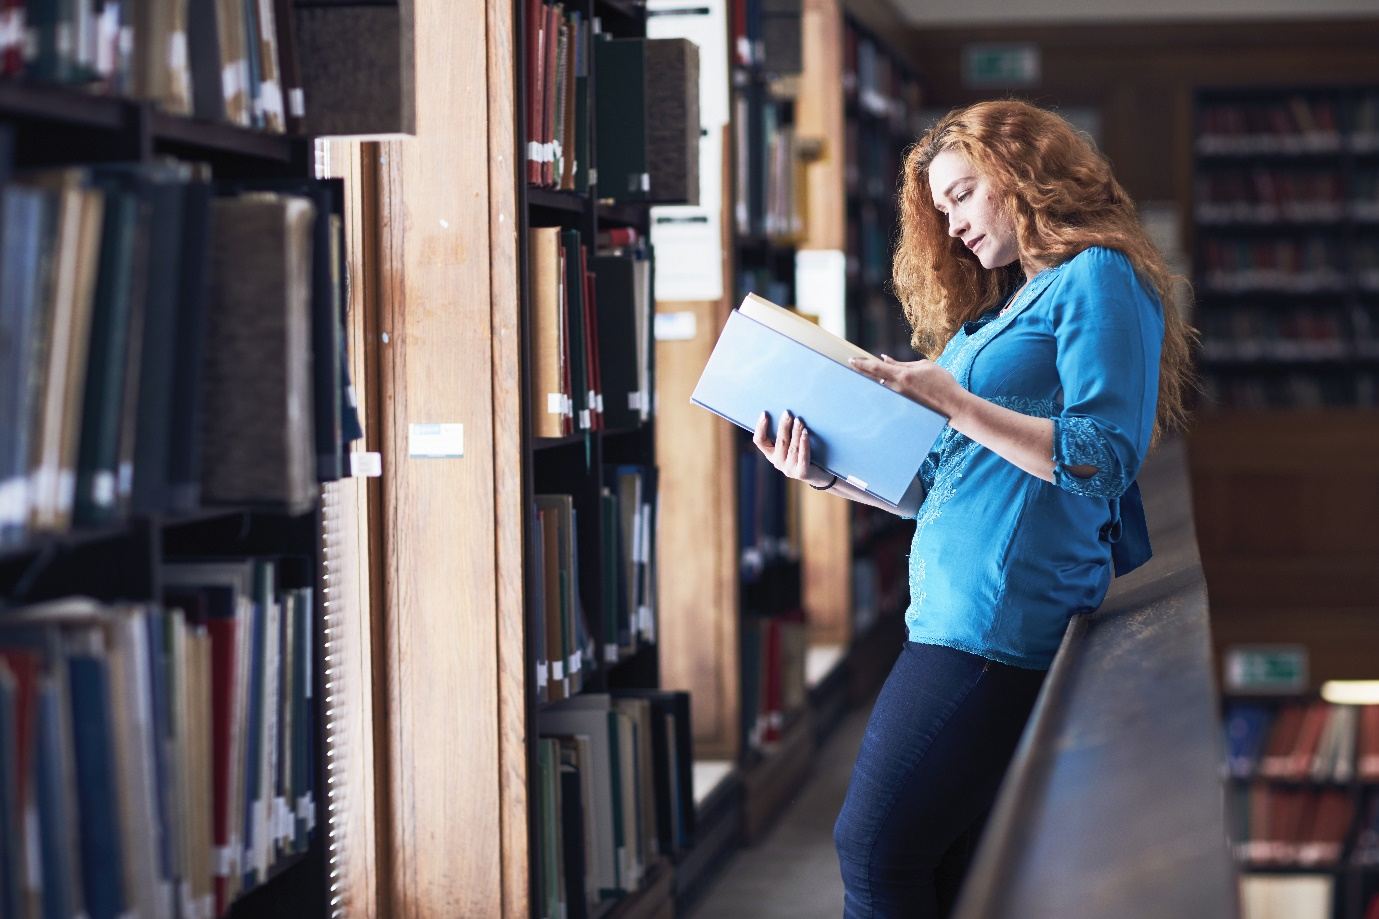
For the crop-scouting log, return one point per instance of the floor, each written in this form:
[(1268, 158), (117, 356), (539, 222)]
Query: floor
[(793, 872)]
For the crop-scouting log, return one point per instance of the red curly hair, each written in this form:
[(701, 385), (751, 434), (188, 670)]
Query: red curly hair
[(1062, 197)]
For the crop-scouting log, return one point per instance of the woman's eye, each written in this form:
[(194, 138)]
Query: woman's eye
[(963, 196)]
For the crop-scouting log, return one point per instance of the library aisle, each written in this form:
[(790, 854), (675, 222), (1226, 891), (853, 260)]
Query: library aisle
[(793, 872)]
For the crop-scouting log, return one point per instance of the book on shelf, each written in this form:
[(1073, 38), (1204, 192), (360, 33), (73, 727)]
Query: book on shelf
[(768, 359), (118, 711)]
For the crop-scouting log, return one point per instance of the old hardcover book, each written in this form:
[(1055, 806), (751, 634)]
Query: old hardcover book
[(552, 404), (620, 113), (358, 75), (257, 444), (22, 237), (672, 130)]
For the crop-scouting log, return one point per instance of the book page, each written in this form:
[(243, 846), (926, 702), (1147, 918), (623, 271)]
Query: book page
[(795, 326)]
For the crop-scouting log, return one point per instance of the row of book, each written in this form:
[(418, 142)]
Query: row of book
[(633, 131), (221, 60), (614, 792), (769, 178), (1253, 334), (567, 646), (1290, 827), (878, 85), (773, 675), (1305, 265), (1295, 124), (767, 511), (871, 160), (880, 583), (591, 331), (766, 35), (167, 342), (157, 759), (868, 241), (1294, 389), (1263, 195), (557, 57), (1302, 741)]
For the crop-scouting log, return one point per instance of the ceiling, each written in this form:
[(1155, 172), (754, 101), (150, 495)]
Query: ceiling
[(940, 13)]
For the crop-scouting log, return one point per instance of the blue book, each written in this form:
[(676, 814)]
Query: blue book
[(93, 742), (872, 437), (56, 806)]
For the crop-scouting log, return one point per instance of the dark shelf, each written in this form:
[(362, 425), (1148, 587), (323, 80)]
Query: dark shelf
[(625, 214), (551, 443), (628, 9), (568, 202), (178, 131), (61, 105)]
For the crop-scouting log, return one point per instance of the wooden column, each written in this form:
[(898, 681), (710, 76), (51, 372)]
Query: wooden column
[(825, 520), (455, 843)]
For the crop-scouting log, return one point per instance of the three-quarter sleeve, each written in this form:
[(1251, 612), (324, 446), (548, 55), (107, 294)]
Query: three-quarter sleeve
[(1109, 330)]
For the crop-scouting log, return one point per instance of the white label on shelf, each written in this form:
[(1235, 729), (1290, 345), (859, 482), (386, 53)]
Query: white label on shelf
[(555, 403), (296, 102), (435, 441), (534, 151), (103, 488), (676, 326), (856, 482), (365, 464)]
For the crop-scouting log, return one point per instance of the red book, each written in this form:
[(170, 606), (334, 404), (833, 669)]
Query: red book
[(24, 665), (771, 698), (1309, 733), (224, 634), (535, 75), (566, 379), (1283, 737), (1367, 761), (548, 100)]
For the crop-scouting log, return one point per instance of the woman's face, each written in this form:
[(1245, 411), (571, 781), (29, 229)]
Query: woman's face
[(975, 215)]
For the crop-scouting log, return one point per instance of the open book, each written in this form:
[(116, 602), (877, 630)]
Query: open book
[(770, 359)]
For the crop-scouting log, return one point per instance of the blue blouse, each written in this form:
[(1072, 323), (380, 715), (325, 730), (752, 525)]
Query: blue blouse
[(1001, 559)]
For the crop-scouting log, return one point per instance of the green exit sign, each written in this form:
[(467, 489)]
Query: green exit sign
[(1000, 65), (1266, 668)]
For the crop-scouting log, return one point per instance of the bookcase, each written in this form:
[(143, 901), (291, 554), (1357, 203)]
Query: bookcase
[(180, 692), (610, 125), (1302, 802), (1286, 237)]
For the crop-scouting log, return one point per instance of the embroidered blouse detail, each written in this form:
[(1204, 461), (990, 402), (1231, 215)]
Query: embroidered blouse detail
[(1000, 558)]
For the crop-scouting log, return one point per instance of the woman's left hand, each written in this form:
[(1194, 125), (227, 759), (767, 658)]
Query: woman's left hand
[(922, 381)]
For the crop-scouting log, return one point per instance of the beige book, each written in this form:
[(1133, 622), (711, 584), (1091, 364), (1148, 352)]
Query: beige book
[(793, 325), (639, 711), (84, 293), (234, 60), (270, 78), (551, 403)]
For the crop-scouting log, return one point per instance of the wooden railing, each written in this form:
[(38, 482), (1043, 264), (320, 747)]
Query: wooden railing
[(1114, 804)]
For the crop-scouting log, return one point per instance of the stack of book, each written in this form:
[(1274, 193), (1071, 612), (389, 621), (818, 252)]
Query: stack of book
[(167, 343), (591, 332), (1294, 124), (773, 671), (614, 793), (157, 756)]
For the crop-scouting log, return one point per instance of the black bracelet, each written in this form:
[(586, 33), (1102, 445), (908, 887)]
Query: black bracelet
[(831, 482)]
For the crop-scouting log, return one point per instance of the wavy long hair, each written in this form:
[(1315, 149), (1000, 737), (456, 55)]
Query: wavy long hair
[(1062, 197)]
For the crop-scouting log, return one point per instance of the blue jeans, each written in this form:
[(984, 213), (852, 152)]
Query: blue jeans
[(943, 730)]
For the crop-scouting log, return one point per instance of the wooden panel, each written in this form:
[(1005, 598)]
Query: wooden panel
[(508, 455), (772, 783), (1340, 642), (826, 568), (352, 579), (819, 116), (439, 516), (697, 552)]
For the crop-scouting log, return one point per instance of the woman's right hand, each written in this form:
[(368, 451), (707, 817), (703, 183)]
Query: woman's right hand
[(789, 452)]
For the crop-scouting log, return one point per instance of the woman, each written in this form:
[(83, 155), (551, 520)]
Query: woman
[(1059, 358)]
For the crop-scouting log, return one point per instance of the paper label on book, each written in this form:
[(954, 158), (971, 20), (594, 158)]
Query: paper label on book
[(647, 625), (41, 487), (598, 401), (584, 423), (634, 401), (187, 903), (103, 488), (14, 500), (366, 464), (66, 490), (555, 403), (223, 861), (207, 905), (534, 151), (283, 817), (231, 76), (66, 45), (271, 97), (541, 675), (303, 807), (856, 482), (435, 441), (296, 107), (610, 653), (593, 176), (574, 663), (177, 52), (126, 481), (557, 670), (12, 28), (30, 43)]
